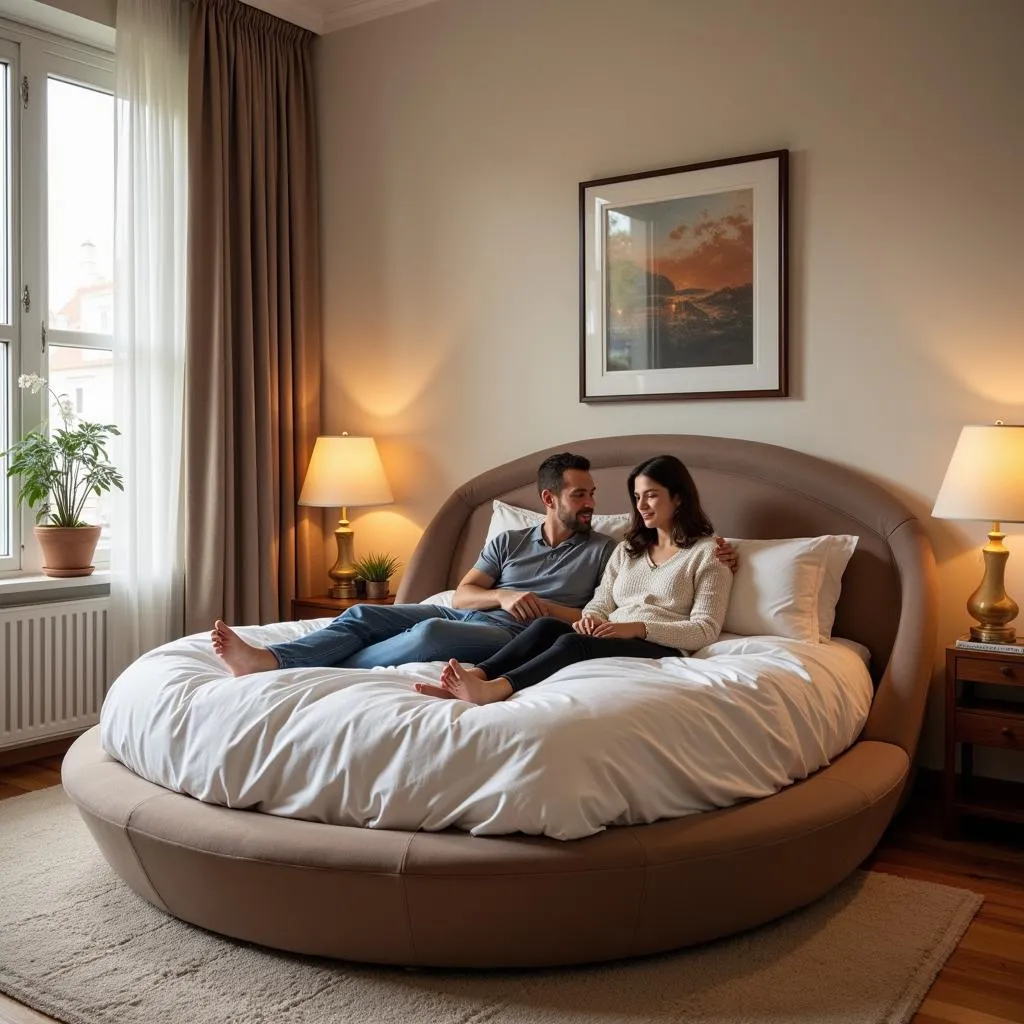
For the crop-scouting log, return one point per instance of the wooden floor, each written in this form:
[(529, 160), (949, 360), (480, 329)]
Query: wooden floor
[(983, 981)]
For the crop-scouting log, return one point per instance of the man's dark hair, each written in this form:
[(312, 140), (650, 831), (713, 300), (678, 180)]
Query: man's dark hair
[(549, 475)]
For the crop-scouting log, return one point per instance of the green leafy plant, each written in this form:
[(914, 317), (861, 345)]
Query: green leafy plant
[(61, 469), (377, 568)]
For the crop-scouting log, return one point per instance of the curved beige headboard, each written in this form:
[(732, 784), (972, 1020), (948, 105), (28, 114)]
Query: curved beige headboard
[(748, 489)]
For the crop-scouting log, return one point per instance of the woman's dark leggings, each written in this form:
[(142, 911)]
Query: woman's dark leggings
[(548, 644)]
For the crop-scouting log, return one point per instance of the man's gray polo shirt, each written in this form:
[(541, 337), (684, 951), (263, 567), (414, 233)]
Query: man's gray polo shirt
[(567, 573)]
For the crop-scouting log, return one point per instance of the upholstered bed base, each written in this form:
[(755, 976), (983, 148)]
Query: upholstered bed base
[(451, 899)]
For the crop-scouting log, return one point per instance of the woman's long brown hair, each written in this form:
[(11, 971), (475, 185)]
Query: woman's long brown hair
[(690, 521)]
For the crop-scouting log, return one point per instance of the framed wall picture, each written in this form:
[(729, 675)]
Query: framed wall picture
[(683, 282)]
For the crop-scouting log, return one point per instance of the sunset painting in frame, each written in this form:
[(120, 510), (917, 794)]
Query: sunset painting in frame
[(683, 282), (680, 277)]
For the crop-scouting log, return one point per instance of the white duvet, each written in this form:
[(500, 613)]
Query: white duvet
[(618, 741)]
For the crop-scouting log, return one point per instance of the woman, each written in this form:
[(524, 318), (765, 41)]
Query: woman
[(663, 593)]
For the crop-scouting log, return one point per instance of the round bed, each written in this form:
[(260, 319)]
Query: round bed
[(450, 899)]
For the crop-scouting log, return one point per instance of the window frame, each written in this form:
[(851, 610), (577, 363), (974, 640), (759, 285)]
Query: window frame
[(10, 54), (39, 56)]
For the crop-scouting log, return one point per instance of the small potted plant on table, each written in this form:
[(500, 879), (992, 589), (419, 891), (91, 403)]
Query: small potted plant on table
[(58, 471), (377, 570)]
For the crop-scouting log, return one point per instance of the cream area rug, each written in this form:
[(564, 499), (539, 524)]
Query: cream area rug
[(79, 945)]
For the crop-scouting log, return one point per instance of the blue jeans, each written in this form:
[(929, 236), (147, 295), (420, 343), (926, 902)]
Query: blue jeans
[(369, 636)]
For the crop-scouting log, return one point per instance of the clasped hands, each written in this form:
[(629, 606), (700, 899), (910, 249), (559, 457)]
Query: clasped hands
[(522, 605), (610, 630)]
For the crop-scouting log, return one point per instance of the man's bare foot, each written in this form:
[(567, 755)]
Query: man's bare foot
[(240, 657), (469, 684)]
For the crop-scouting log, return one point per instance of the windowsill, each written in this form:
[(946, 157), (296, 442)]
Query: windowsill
[(33, 589)]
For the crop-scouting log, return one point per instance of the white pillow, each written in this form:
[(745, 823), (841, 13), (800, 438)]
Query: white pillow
[(787, 588), (444, 599), (839, 555), (511, 517)]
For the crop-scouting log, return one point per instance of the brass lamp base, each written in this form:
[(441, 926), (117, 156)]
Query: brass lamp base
[(993, 608), (994, 634), (343, 572)]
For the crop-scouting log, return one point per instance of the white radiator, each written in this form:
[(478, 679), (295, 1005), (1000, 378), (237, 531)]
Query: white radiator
[(53, 669)]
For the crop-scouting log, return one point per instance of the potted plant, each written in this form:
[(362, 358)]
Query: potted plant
[(59, 470), (377, 570)]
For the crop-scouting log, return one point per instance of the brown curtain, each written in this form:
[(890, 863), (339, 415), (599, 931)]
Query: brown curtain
[(252, 399)]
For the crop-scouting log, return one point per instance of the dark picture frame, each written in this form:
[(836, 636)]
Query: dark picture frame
[(683, 282)]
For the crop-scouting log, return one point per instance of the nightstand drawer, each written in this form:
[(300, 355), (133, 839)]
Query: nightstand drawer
[(990, 729), (989, 670)]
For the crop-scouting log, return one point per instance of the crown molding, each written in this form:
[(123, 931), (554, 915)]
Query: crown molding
[(92, 21), (306, 15), (339, 14), (322, 16)]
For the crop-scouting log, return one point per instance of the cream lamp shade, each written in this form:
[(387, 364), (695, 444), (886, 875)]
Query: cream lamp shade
[(985, 480), (345, 472)]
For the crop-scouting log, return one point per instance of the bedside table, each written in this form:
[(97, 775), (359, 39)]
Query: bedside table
[(993, 720), (321, 606)]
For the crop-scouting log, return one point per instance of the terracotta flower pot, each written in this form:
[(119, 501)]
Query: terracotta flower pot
[(377, 588), (68, 551)]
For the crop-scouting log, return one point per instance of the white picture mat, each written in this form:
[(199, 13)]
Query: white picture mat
[(762, 177)]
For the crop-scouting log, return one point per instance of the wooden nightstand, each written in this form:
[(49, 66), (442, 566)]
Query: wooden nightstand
[(321, 606), (993, 720)]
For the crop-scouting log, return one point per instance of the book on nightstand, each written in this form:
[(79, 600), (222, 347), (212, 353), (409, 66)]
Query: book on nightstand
[(967, 644)]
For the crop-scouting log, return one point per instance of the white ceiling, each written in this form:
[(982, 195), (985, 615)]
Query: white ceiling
[(322, 16)]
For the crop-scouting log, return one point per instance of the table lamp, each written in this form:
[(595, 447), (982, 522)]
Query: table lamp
[(985, 480), (345, 472)]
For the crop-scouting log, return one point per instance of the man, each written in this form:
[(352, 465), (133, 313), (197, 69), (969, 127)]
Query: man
[(551, 569)]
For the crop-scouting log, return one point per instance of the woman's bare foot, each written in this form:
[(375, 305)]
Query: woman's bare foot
[(448, 672), (470, 684), (240, 657), (429, 690), (440, 689)]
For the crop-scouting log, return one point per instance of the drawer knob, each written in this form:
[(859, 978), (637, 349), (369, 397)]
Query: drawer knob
[(1007, 670)]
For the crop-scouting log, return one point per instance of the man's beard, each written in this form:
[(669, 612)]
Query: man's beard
[(575, 523)]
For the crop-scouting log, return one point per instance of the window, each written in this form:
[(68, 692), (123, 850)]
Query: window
[(80, 208), (56, 249)]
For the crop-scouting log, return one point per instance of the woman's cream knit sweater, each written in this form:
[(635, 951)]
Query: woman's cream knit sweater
[(682, 602)]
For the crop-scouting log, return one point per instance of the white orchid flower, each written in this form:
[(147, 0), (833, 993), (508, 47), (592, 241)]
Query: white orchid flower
[(32, 381), (59, 469)]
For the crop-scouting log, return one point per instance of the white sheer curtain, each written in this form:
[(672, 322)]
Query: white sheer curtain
[(147, 526)]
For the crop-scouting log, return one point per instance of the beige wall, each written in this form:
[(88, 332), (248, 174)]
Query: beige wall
[(454, 137)]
